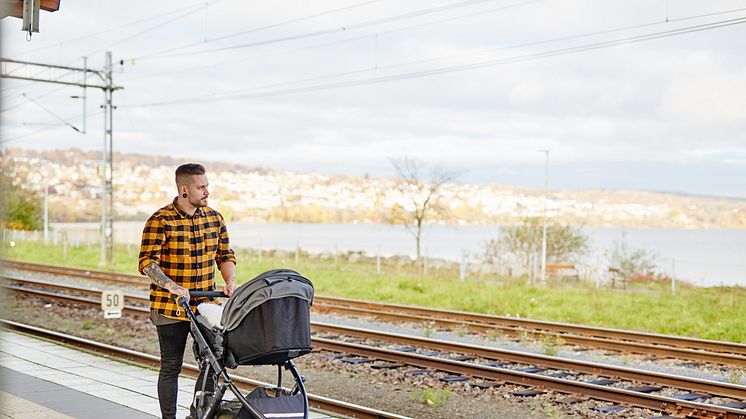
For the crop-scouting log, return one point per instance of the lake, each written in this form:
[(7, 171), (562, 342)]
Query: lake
[(705, 257)]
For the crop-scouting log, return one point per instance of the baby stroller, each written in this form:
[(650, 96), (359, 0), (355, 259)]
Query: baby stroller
[(265, 322)]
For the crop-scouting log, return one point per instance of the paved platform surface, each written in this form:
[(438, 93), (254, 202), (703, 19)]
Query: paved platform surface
[(40, 379)]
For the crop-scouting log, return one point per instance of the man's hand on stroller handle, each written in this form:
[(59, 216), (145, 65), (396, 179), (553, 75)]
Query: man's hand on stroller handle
[(178, 291), (229, 287)]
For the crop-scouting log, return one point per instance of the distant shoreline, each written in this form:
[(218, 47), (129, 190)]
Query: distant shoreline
[(703, 256)]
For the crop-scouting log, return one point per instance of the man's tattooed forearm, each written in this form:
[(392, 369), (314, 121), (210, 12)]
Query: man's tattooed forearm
[(154, 272)]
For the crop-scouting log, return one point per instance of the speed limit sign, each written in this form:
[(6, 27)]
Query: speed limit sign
[(112, 302)]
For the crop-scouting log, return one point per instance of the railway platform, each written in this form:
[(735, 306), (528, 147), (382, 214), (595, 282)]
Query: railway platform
[(41, 379)]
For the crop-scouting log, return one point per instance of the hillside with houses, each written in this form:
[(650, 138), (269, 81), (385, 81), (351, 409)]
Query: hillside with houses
[(145, 182)]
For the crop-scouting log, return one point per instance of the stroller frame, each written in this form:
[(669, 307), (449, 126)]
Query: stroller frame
[(210, 359)]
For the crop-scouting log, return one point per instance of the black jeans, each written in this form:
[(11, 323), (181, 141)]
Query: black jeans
[(172, 339)]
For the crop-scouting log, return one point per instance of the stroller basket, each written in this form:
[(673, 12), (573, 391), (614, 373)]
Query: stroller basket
[(266, 321)]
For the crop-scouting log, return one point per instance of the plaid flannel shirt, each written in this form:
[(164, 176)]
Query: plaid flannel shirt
[(186, 249)]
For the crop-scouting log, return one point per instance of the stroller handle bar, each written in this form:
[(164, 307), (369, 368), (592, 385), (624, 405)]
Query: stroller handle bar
[(193, 294), (182, 301), (209, 294)]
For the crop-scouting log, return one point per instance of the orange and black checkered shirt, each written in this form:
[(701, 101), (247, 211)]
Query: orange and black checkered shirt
[(186, 249)]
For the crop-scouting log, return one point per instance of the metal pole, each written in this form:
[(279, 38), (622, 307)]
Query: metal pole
[(46, 212), (85, 91), (107, 193), (544, 235)]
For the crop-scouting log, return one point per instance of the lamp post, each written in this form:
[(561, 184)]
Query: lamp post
[(544, 234)]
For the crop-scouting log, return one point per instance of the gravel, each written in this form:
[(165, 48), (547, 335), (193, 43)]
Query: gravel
[(393, 390)]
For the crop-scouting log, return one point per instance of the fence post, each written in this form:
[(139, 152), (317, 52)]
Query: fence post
[(673, 276), (297, 253), (425, 262), (378, 260), (64, 246), (464, 262), (336, 260)]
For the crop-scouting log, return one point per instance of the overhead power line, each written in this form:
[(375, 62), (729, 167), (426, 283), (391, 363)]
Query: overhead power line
[(55, 90), (190, 10), (331, 43), (337, 29), (150, 29), (47, 128), (200, 5), (464, 67), (261, 28), (426, 60), (47, 110)]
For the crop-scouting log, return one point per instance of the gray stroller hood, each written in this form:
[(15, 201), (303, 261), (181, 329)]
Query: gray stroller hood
[(274, 284)]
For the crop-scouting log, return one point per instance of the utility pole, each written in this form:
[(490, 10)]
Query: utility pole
[(107, 195), (71, 76), (544, 235)]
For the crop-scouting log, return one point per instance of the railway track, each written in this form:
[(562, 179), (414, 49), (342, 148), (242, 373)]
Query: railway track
[(495, 366), (315, 402), (693, 349)]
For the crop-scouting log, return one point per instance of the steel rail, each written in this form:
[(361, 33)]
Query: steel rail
[(603, 343), (681, 382), (714, 388), (606, 338), (109, 277), (315, 401), (477, 318), (497, 374)]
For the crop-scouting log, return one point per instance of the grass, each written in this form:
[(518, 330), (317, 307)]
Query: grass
[(551, 345), (434, 398), (710, 313)]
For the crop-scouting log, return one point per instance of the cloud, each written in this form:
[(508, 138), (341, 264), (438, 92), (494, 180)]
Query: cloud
[(669, 102)]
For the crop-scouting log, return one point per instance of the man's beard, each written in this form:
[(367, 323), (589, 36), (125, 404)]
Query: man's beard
[(198, 203)]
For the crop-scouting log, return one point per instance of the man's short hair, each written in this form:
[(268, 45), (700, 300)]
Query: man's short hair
[(185, 170)]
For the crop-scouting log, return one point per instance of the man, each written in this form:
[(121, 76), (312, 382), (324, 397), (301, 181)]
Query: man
[(181, 244)]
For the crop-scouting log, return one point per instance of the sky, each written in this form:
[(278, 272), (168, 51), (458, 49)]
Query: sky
[(647, 95)]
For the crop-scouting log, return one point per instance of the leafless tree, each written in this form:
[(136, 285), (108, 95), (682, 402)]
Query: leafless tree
[(422, 196)]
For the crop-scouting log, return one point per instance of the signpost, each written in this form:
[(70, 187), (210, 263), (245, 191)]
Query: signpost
[(112, 303)]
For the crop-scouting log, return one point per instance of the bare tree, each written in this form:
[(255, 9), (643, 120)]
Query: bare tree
[(422, 196)]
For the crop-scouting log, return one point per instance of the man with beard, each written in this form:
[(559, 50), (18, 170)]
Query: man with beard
[(181, 245)]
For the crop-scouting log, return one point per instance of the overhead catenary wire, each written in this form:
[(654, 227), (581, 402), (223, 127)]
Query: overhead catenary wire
[(338, 29), (47, 110), (147, 30), (199, 5), (47, 128), (481, 51), (260, 28), (331, 43), (190, 10), (464, 67), (34, 98)]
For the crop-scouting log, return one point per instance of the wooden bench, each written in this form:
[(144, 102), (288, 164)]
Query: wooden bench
[(562, 270)]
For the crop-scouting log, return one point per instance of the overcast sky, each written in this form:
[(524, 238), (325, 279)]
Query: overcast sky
[(338, 87)]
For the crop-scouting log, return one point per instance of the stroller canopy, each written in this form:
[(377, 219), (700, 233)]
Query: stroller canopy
[(271, 285)]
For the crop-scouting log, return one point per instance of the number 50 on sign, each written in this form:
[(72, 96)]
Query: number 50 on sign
[(112, 302)]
